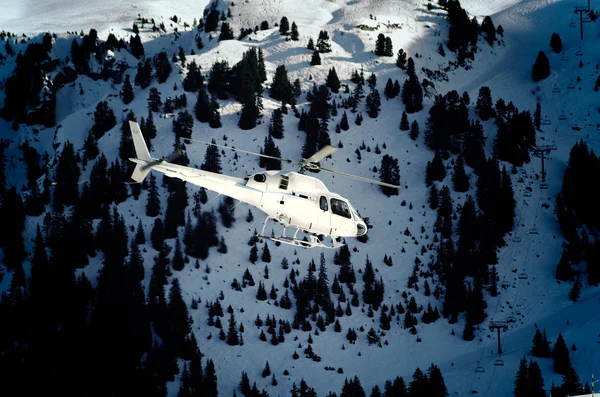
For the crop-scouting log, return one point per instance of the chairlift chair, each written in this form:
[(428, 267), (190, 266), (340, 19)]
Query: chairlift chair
[(571, 85), (562, 116), (579, 52), (546, 121), (505, 284), (511, 319), (534, 231), (564, 57), (499, 362), (527, 193), (516, 239), (555, 90), (572, 24), (543, 186), (586, 19), (479, 368), (522, 276)]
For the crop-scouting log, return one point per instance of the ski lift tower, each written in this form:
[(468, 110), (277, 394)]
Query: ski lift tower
[(541, 151), (581, 10), (499, 326)]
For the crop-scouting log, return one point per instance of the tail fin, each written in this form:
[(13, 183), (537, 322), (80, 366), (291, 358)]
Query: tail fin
[(139, 174), (141, 150)]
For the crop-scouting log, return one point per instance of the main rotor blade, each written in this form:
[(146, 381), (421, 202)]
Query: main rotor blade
[(290, 161), (360, 178), (321, 154)]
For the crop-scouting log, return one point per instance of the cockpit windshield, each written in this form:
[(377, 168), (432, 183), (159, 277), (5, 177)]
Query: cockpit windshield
[(340, 208)]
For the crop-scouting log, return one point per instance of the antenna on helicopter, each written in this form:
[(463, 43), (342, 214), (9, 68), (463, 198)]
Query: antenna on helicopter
[(311, 163)]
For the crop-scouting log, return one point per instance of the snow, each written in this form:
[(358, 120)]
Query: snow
[(506, 69)]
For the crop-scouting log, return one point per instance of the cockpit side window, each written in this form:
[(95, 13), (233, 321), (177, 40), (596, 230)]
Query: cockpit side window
[(323, 203), (340, 208)]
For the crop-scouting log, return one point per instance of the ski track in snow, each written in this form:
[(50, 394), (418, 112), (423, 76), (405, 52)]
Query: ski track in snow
[(505, 69)]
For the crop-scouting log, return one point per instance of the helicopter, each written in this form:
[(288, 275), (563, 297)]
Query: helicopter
[(295, 200)]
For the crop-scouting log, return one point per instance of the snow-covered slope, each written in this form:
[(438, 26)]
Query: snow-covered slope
[(505, 69)]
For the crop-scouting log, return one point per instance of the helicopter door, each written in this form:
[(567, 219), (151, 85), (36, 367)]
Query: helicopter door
[(323, 224)]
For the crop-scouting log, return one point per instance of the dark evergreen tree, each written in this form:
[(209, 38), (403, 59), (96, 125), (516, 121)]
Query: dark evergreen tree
[(541, 67), (556, 42), (489, 30), (333, 82), (295, 35), (104, 119), (560, 354), (127, 91), (284, 26), (212, 159), (323, 44), (137, 48), (373, 103), (193, 79), (390, 90), (232, 333), (226, 32), (388, 48), (66, 191), (401, 59), (522, 380), (344, 122), (183, 124), (281, 88), (575, 292), (473, 147), (276, 127), (563, 270), (460, 180), (484, 104), (153, 205), (414, 130), (163, 66), (389, 172), (143, 76), (380, 45), (316, 58), (537, 116), (404, 125), (202, 109)]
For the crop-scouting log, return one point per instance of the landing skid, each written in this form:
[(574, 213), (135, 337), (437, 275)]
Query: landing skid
[(313, 241)]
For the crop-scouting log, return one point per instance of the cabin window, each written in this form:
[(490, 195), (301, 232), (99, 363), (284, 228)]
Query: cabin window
[(340, 208), (260, 177), (323, 203)]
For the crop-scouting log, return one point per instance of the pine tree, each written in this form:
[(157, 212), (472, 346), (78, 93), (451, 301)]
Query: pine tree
[(284, 26), (127, 91), (522, 380), (316, 58), (389, 172), (276, 127), (460, 180), (266, 254), (193, 79), (489, 30), (540, 348), (390, 91), (311, 44), (212, 159), (560, 354), (333, 82), (153, 205), (401, 59), (295, 35), (266, 371), (163, 66), (414, 130), (484, 103), (556, 42), (253, 254), (380, 45), (323, 44), (388, 48), (404, 125), (563, 270), (104, 119), (232, 333), (541, 67), (575, 292), (202, 108), (344, 122), (373, 103)]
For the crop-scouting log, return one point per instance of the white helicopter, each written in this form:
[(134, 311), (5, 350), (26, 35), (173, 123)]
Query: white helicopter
[(290, 198)]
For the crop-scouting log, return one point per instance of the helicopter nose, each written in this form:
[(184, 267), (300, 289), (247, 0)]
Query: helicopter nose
[(361, 229)]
